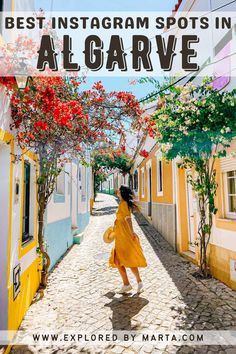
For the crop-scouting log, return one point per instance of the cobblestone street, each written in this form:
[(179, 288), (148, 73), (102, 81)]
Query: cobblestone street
[(81, 294)]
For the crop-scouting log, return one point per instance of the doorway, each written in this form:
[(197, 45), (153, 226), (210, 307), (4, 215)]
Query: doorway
[(149, 191), (190, 214), (5, 193), (74, 194), (26, 203)]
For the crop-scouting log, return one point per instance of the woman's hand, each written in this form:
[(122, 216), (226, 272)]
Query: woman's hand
[(129, 223), (135, 236)]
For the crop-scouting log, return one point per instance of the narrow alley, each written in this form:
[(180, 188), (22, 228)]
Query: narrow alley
[(81, 294)]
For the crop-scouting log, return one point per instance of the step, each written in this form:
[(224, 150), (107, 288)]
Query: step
[(190, 256), (78, 238), (74, 230)]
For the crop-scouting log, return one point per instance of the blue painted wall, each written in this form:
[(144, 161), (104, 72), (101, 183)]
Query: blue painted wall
[(58, 238), (82, 221), (59, 235)]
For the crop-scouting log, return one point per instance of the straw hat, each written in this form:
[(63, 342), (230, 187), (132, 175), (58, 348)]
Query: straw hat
[(109, 235)]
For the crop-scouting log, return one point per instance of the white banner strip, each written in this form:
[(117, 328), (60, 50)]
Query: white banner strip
[(67, 337)]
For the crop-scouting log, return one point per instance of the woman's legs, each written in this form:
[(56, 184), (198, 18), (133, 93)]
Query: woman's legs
[(123, 274), (135, 271)]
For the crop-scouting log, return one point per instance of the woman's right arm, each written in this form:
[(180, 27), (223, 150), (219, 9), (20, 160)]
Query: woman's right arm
[(130, 225)]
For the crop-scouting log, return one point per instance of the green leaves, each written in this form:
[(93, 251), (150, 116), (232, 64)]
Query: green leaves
[(111, 160), (104, 161), (206, 229), (194, 119)]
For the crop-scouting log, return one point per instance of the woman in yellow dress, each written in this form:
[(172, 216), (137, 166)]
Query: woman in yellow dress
[(127, 252)]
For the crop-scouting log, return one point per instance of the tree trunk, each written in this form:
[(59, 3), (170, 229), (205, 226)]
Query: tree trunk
[(202, 236), (205, 186), (46, 258), (42, 203)]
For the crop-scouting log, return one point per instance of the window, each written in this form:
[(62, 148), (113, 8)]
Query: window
[(142, 182), (131, 183), (83, 183), (60, 184), (26, 204), (159, 177), (136, 181), (231, 193)]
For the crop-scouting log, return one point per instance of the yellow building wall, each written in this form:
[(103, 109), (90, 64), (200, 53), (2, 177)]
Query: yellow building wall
[(220, 264), (219, 257), (182, 237), (9, 139), (91, 205), (167, 197), (221, 221), (30, 278), (30, 281)]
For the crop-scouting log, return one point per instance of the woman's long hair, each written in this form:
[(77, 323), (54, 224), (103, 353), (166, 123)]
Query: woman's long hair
[(127, 195)]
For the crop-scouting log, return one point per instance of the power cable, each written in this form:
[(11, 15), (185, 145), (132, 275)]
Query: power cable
[(184, 77)]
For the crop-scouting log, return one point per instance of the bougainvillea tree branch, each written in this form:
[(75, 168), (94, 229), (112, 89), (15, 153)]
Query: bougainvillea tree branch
[(57, 120)]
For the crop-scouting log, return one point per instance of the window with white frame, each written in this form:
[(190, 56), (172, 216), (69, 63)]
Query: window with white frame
[(143, 181), (159, 177), (231, 194), (60, 183)]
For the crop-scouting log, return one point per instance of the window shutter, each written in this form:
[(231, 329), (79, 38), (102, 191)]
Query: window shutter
[(228, 164)]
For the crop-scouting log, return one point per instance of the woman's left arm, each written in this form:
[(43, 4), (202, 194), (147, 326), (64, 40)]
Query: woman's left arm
[(130, 225)]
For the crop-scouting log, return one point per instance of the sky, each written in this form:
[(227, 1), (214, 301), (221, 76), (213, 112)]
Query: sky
[(106, 5), (112, 83)]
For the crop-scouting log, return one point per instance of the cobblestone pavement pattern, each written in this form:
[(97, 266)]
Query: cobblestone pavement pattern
[(81, 295)]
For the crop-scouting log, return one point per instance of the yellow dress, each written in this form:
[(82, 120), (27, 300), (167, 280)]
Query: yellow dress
[(127, 251)]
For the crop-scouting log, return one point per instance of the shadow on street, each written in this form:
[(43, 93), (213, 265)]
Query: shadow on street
[(24, 349), (104, 211), (124, 309), (205, 303)]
